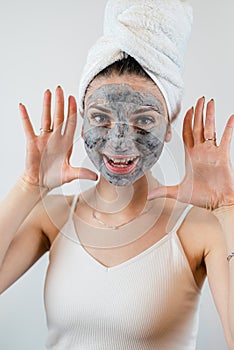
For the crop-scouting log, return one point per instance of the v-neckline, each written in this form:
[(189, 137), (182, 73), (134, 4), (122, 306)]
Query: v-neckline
[(138, 256), (126, 262)]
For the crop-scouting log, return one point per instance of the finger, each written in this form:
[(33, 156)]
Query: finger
[(227, 135), (164, 192), (198, 127), (46, 113), (187, 128), (71, 118), (59, 108), (80, 173), (27, 125), (209, 130)]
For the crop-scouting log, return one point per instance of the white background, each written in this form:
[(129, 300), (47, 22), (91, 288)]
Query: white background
[(44, 44)]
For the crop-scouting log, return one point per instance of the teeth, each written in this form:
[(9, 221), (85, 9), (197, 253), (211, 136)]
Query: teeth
[(122, 160)]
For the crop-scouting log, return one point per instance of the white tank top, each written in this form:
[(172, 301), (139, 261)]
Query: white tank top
[(150, 302)]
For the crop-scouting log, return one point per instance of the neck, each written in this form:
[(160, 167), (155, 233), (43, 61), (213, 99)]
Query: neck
[(114, 199)]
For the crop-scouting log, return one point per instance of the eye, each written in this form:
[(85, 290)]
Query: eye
[(100, 119), (144, 122)]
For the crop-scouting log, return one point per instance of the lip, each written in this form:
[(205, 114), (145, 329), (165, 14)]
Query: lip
[(119, 168)]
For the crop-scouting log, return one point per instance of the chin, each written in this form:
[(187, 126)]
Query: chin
[(122, 180)]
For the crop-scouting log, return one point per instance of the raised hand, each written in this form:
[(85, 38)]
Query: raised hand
[(48, 154), (209, 177)]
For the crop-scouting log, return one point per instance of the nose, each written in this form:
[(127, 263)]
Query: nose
[(119, 136)]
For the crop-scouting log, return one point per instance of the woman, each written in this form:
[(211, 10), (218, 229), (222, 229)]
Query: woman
[(149, 254)]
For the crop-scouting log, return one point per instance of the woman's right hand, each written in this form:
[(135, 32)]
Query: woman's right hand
[(48, 154)]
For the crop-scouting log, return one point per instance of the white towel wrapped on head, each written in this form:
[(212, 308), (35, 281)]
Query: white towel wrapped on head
[(155, 33)]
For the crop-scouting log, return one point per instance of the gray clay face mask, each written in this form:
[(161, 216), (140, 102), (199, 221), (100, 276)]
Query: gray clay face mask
[(124, 132)]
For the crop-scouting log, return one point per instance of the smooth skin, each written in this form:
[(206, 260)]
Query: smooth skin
[(204, 237)]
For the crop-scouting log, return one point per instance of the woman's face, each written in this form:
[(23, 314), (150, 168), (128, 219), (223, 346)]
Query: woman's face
[(125, 126)]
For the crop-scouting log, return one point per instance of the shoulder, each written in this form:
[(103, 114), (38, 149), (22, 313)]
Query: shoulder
[(201, 238), (195, 220), (203, 228), (202, 220), (53, 212)]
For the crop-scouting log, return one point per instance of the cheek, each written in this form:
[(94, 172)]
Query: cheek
[(94, 137), (150, 143)]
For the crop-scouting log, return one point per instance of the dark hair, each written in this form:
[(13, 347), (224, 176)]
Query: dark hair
[(127, 65)]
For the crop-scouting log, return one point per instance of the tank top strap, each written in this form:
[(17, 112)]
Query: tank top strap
[(73, 205), (68, 229), (181, 218)]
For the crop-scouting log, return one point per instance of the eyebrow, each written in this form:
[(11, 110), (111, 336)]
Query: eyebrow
[(102, 109), (148, 108), (144, 109)]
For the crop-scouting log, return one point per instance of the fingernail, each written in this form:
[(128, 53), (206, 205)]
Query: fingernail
[(58, 87), (212, 100)]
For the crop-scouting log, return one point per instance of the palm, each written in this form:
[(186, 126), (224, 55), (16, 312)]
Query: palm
[(47, 155), (209, 178)]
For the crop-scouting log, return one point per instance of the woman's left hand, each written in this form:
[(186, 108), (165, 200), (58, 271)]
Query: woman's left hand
[(209, 176)]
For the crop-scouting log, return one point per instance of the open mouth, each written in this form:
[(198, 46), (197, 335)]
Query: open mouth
[(120, 164)]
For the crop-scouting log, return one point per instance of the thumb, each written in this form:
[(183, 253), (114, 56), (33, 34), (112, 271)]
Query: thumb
[(164, 191), (80, 173)]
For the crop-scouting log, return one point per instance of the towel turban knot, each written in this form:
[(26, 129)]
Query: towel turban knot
[(155, 33)]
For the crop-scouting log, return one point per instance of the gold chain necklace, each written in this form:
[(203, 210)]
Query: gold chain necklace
[(116, 227)]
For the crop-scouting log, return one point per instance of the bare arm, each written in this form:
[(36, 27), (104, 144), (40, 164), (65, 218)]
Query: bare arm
[(34, 237), (22, 240), (219, 274), (209, 183), (225, 215), (13, 211)]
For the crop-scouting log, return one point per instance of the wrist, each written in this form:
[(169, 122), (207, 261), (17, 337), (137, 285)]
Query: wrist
[(27, 185)]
